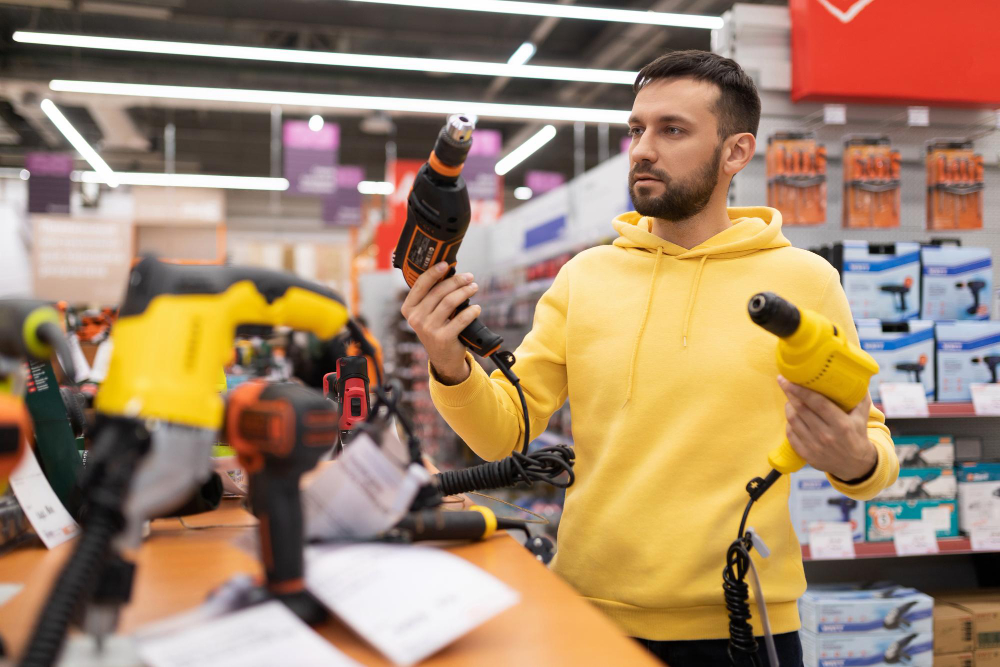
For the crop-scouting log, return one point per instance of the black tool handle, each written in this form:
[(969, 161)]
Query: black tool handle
[(276, 504), (478, 337), (438, 525)]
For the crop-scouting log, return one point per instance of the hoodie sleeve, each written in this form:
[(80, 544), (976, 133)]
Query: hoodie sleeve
[(485, 410), (833, 303)]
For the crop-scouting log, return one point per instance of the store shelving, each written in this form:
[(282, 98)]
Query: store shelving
[(947, 546), (944, 410)]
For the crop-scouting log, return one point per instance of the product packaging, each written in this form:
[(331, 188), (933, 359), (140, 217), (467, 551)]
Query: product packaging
[(989, 657), (985, 610), (904, 352), (955, 182), (922, 483), (957, 283), (881, 280), (813, 498), (846, 609), (954, 659), (871, 183), (914, 649), (884, 517), (968, 449), (796, 177), (925, 451), (967, 353), (952, 629), (978, 495)]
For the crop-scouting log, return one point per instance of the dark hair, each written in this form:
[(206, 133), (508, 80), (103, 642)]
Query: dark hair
[(738, 106)]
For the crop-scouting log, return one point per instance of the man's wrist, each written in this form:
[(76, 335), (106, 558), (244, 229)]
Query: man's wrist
[(452, 377), (866, 468)]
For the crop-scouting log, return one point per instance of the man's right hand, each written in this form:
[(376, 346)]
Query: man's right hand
[(429, 307)]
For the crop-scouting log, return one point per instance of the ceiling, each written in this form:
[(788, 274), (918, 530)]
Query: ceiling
[(221, 140)]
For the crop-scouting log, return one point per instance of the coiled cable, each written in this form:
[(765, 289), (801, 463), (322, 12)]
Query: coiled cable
[(545, 465)]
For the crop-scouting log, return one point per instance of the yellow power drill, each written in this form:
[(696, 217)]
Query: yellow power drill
[(815, 353), (158, 414)]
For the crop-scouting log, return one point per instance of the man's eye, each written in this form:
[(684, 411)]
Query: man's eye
[(634, 131), (673, 130)]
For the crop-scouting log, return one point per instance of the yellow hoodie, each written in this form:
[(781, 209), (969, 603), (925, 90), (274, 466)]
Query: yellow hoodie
[(675, 404)]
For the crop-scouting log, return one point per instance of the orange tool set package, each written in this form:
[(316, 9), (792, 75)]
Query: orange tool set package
[(871, 183), (796, 177), (954, 186)]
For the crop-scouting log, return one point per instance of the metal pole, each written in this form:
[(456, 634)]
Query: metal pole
[(579, 148), (170, 148), (603, 142), (275, 154)]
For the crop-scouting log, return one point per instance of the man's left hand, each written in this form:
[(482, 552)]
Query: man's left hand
[(828, 438)]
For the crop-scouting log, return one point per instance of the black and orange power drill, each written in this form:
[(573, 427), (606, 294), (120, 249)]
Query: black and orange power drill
[(280, 432)]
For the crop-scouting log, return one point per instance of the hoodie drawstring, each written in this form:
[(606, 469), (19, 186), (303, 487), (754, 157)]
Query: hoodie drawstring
[(642, 325), (691, 297)]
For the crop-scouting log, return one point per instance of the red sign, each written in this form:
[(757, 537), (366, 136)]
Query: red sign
[(401, 173), (896, 51)]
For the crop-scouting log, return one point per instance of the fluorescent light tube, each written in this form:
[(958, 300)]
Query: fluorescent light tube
[(79, 143), (189, 180), (525, 150), (564, 12), (522, 55), (376, 188), (336, 59), (328, 101), (523, 193)]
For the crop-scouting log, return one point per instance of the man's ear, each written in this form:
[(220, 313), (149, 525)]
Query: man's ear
[(740, 149)]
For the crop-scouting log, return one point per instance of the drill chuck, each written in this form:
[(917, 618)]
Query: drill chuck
[(774, 314), (459, 128), (452, 146)]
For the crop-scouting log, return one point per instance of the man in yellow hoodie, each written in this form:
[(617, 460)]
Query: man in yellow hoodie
[(675, 393)]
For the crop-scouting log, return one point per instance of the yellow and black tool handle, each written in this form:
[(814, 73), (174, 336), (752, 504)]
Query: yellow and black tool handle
[(476, 523)]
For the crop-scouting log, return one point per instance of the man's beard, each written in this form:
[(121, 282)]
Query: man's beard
[(679, 201)]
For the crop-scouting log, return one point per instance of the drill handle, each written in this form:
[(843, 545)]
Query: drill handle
[(276, 503), (473, 524), (785, 459), (478, 337)]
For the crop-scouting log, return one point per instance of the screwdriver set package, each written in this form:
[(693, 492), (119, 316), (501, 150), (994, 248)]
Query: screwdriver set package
[(904, 352), (915, 483), (884, 517), (955, 183), (796, 177), (871, 183), (967, 353), (925, 451), (957, 283), (882, 280)]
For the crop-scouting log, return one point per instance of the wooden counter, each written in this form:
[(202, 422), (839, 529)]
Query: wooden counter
[(178, 566)]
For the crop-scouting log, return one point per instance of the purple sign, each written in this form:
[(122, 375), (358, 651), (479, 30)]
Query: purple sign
[(311, 157), (626, 142), (543, 181), (49, 185), (343, 207), (479, 173)]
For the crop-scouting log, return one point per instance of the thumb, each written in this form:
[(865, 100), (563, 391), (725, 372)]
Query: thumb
[(863, 408)]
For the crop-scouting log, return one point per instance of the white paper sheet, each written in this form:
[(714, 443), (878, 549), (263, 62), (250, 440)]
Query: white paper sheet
[(52, 523), (830, 540), (408, 602)]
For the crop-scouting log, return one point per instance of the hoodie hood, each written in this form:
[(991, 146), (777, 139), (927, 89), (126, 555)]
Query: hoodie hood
[(753, 228)]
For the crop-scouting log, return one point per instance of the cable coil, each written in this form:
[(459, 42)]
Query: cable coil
[(545, 465)]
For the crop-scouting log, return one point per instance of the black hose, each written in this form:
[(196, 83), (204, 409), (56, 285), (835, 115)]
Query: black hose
[(545, 465)]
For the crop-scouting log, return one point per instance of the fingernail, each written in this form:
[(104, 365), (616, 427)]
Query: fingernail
[(441, 266), (474, 286), (466, 277)]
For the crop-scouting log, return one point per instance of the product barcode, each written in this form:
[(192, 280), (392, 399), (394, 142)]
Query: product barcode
[(967, 631), (989, 639)]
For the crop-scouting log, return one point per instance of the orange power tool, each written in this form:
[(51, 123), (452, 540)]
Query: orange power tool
[(279, 432)]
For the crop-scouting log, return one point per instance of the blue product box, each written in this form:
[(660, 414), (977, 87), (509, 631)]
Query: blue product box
[(846, 609), (883, 517), (978, 495), (904, 352), (813, 498), (957, 283), (922, 483), (925, 451), (882, 280), (967, 352), (914, 649)]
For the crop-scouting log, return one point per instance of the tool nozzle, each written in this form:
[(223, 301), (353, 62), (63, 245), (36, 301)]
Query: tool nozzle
[(460, 127), (774, 314), (452, 146)]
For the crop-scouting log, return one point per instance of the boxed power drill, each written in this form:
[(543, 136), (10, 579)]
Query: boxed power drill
[(904, 352), (967, 353), (884, 517), (847, 609), (813, 498), (917, 483), (882, 280), (978, 495), (925, 451), (915, 649), (957, 283)]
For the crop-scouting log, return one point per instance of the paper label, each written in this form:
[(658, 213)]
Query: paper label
[(986, 399), (903, 399), (918, 116), (234, 479), (938, 518), (915, 538), (830, 540), (261, 636), (361, 494), (408, 602), (102, 361), (834, 114), (985, 539), (52, 523)]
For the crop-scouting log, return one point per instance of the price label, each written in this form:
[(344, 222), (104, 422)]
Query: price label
[(831, 540), (918, 116), (40, 504), (834, 114), (915, 538), (986, 399), (986, 538), (903, 399)]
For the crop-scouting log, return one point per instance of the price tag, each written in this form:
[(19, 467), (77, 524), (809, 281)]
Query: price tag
[(834, 114), (52, 523), (918, 116), (986, 538), (830, 540), (986, 398), (903, 399), (915, 538)]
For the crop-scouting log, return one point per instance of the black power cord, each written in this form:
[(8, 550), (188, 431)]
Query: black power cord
[(734, 585), (545, 465)]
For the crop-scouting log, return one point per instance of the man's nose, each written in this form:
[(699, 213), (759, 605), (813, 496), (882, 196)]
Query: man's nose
[(642, 150)]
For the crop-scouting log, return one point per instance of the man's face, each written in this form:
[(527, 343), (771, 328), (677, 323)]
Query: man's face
[(675, 149)]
